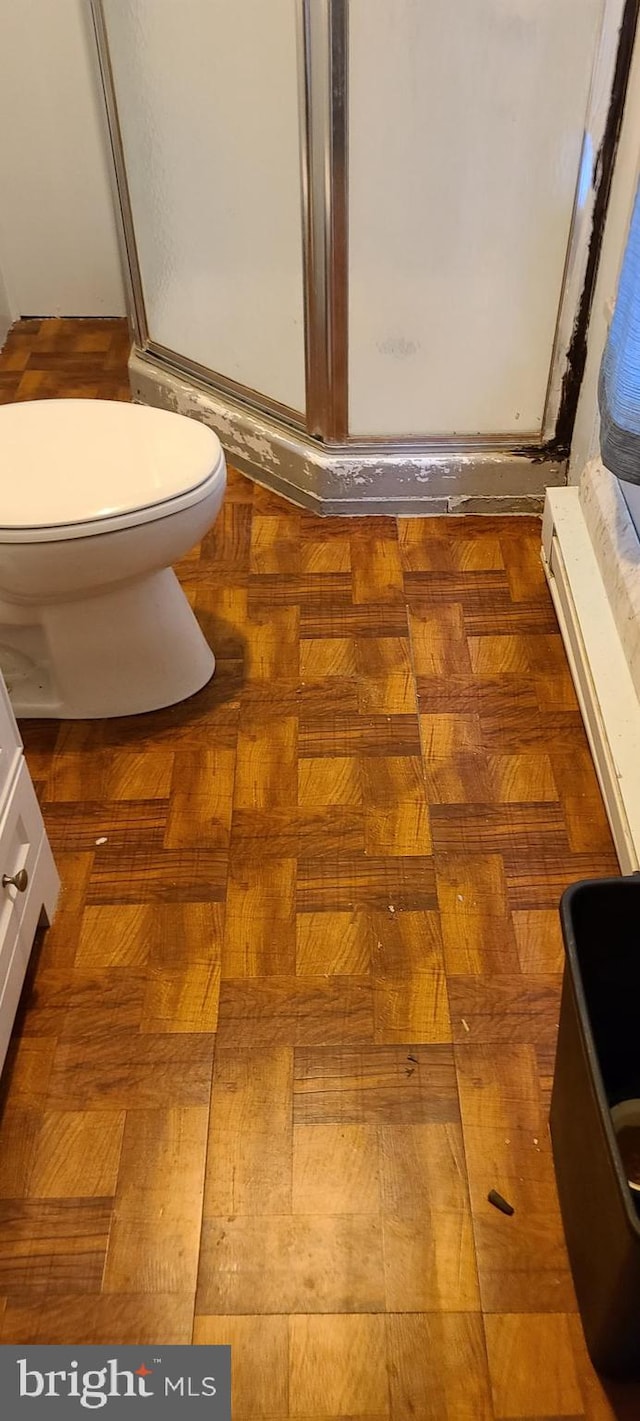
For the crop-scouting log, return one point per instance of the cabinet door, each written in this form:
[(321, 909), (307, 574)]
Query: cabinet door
[(13, 965), (21, 838), (10, 745)]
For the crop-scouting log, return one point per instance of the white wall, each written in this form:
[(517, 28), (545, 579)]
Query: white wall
[(623, 191), (6, 310), (58, 240)]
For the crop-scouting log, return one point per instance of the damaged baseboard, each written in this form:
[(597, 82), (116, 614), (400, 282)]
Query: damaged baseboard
[(414, 480)]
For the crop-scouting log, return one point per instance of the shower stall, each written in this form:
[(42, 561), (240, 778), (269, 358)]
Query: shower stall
[(359, 235)]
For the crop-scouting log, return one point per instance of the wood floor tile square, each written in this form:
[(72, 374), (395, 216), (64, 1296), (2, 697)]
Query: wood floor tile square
[(459, 779), (333, 944), (162, 1164), (469, 884), (248, 1174), (328, 782), (190, 875), (337, 1367), (199, 811), (328, 656), (124, 1071), (377, 619), (405, 943), (81, 1003), (115, 935), (539, 884), (429, 1249), (29, 1318), (574, 771), (412, 1007), (499, 655), (53, 1246), (523, 1271), (326, 696), (481, 943), (295, 1011), (271, 634), (555, 690), (439, 641), (489, 828), (260, 834), (349, 733), (401, 830), (392, 780), (532, 1368), (144, 776), (152, 1256), (342, 883), (19, 1131), (587, 825), (77, 1154), (267, 766), (260, 921), (430, 1263), (421, 1166), (226, 546), (70, 777), (335, 1169), (249, 1159), (252, 1087), (313, 1263), (393, 694), (30, 1062), (376, 568), (124, 824), (400, 1085), (446, 735), (539, 941), (137, 1320), (324, 556), (517, 779), (260, 1362), (182, 998), (438, 1367), (505, 1008), (275, 544), (180, 935)]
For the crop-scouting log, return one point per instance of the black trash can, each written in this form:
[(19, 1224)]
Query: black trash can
[(597, 1068)]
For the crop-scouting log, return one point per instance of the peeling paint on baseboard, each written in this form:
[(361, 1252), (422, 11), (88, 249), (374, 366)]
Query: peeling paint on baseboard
[(331, 481), (532, 503)]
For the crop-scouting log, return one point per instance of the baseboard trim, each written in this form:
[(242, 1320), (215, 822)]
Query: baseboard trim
[(606, 694), (416, 481)]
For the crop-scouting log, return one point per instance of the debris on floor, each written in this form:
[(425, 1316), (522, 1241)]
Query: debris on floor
[(500, 1203)]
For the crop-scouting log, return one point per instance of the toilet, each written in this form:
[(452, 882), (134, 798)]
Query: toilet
[(98, 499)]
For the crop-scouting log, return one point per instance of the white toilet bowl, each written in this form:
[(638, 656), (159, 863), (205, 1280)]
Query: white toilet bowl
[(97, 500)]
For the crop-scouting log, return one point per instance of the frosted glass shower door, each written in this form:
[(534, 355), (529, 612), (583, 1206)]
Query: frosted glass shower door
[(208, 110), (466, 124)]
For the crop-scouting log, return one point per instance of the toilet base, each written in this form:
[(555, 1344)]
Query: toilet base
[(123, 651)]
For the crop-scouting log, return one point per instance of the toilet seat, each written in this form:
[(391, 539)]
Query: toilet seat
[(78, 468)]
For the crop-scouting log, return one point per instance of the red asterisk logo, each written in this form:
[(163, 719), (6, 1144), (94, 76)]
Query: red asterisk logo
[(143, 1371)]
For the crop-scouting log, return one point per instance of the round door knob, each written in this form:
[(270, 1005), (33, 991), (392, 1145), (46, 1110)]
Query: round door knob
[(17, 880)]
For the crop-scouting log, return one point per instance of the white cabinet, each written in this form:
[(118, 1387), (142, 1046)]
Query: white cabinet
[(29, 881)]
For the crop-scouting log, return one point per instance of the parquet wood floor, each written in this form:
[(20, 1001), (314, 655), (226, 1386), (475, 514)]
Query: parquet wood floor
[(297, 1013)]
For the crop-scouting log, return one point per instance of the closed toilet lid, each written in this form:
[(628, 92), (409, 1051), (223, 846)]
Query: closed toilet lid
[(66, 462)]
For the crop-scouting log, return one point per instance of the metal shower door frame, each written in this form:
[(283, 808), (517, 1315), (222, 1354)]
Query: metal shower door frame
[(323, 92)]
